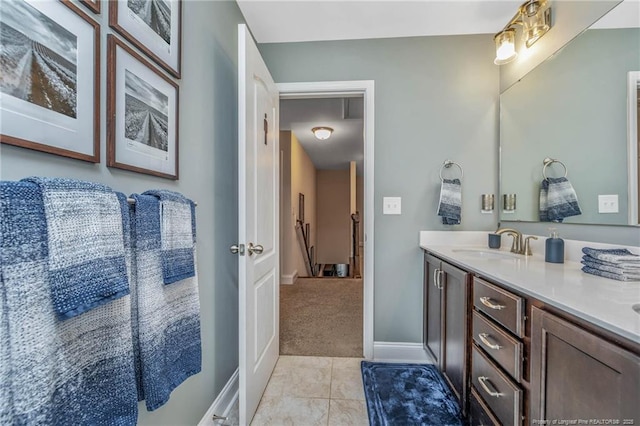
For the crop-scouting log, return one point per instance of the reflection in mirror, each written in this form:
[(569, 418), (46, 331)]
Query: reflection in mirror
[(573, 108), (633, 151)]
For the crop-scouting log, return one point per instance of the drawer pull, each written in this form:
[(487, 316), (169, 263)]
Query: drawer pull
[(483, 382), (486, 301), (484, 338)]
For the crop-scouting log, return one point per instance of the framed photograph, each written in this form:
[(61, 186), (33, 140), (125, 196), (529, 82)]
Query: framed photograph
[(50, 78), (142, 114), (153, 26), (94, 5)]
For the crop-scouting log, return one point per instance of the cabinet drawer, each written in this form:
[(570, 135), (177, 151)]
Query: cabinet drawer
[(498, 391), (479, 413), (504, 349), (504, 307)]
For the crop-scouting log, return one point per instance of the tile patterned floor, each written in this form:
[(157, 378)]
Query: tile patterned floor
[(309, 391)]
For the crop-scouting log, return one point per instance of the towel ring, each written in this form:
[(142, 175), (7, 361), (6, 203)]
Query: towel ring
[(449, 163), (549, 161)]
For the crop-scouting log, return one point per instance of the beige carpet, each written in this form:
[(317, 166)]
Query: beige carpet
[(321, 317)]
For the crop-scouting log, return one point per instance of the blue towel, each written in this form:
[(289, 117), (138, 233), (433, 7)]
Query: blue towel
[(177, 233), (617, 267), (611, 275), (168, 328), (558, 200), (450, 204), (78, 371), (618, 256), (86, 244), (624, 272)]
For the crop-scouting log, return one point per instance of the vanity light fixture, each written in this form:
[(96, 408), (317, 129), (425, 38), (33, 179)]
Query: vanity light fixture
[(322, 133), (535, 18)]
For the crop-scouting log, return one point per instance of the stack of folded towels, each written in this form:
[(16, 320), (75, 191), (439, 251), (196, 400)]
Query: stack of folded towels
[(617, 264)]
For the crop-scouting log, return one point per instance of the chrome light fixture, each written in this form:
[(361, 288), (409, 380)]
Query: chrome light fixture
[(535, 18), (322, 133)]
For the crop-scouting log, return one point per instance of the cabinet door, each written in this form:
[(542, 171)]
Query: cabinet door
[(455, 329), (578, 375), (432, 324)]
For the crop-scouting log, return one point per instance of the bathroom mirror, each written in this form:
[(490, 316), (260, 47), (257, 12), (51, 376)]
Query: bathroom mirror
[(574, 107)]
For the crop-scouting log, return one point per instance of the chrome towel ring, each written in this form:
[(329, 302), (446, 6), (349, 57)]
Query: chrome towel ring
[(449, 163), (549, 161)]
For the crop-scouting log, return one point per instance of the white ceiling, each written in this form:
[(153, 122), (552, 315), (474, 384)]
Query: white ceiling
[(310, 20)]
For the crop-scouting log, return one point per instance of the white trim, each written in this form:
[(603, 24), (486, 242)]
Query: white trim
[(289, 278), (366, 89), (400, 352), (633, 81), (224, 401)]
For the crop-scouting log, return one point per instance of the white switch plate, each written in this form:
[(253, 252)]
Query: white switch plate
[(608, 203), (392, 205)]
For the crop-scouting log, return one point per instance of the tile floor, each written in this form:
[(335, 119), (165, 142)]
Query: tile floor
[(311, 391)]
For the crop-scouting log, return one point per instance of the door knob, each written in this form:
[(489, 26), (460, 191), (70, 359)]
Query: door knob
[(237, 248), (257, 249)]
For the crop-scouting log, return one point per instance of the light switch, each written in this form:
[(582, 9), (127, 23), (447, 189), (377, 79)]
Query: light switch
[(608, 203), (392, 205)]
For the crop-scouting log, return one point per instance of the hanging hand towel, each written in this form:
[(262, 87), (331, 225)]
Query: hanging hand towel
[(450, 204), (168, 325), (177, 233), (76, 372), (619, 256), (85, 239), (558, 200)]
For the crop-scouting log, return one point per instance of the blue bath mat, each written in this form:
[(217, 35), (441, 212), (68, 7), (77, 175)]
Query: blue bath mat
[(408, 394)]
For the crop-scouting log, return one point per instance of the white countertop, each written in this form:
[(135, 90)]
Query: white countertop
[(601, 301)]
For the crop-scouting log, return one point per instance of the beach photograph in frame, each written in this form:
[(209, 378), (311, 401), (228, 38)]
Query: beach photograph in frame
[(153, 26), (50, 78), (142, 114)]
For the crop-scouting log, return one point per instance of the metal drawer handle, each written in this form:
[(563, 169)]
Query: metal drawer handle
[(485, 340), (486, 301), (483, 382)]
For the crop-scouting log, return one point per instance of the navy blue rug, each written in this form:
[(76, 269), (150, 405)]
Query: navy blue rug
[(408, 394)]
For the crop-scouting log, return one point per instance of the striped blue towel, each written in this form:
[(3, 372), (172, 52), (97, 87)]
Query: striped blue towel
[(558, 200), (168, 328), (78, 371), (618, 256), (450, 204), (177, 234), (86, 244), (611, 275)]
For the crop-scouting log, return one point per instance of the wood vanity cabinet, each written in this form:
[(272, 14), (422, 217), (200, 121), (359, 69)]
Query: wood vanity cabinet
[(445, 326), (575, 374)]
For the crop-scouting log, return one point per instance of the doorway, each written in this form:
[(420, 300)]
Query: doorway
[(361, 90)]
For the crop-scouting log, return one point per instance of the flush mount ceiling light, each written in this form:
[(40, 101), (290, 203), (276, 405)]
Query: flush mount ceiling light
[(322, 133), (535, 18)]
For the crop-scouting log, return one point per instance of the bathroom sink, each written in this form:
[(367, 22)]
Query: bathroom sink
[(486, 253), (636, 308)]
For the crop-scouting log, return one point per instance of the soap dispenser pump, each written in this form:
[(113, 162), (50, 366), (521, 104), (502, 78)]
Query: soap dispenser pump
[(554, 248)]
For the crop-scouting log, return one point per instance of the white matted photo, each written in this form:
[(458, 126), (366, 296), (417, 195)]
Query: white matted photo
[(142, 133), (153, 26), (50, 78)]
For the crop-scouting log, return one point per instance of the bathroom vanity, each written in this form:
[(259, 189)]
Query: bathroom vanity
[(524, 342)]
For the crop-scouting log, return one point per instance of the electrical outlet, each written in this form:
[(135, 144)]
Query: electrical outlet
[(608, 203), (392, 205)]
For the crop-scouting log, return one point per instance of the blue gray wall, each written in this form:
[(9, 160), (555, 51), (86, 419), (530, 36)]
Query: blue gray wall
[(208, 170), (436, 98)]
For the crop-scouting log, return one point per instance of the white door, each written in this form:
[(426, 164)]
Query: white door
[(258, 158)]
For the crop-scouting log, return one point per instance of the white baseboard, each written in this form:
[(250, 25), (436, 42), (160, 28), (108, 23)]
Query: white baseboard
[(223, 403), (289, 279), (400, 352)]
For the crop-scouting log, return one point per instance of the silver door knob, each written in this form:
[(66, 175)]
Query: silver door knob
[(257, 249), (237, 248)]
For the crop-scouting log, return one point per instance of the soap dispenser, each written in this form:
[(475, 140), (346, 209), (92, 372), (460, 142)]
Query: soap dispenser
[(554, 248)]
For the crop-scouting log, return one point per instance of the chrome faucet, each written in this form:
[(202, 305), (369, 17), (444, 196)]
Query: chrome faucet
[(517, 246)]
